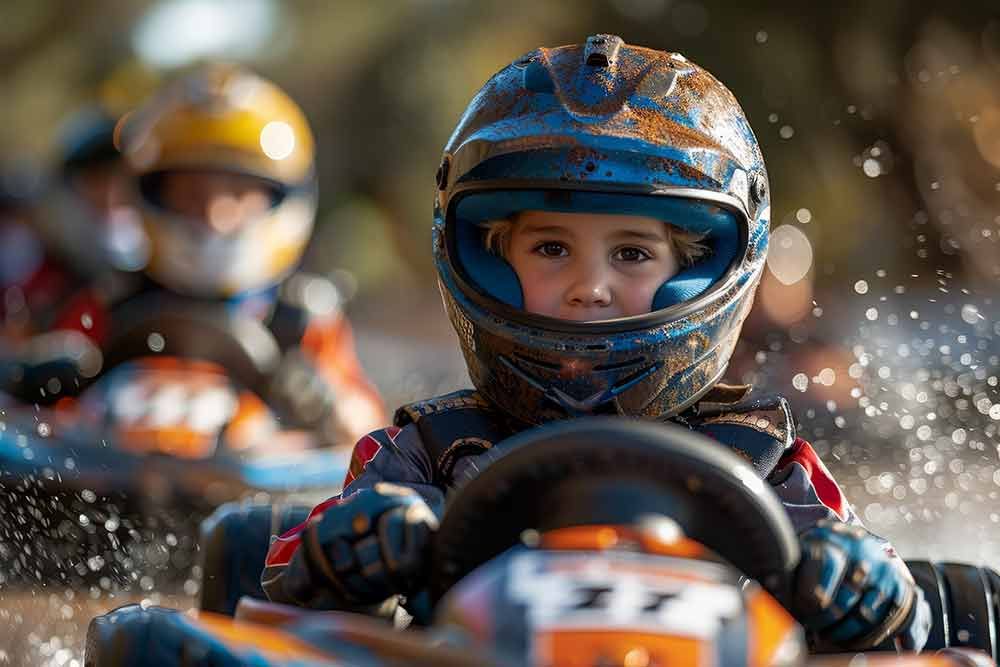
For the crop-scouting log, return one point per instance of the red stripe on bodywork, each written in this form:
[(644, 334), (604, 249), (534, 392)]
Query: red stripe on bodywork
[(822, 481)]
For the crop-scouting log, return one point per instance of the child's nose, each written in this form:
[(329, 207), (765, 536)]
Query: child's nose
[(590, 289)]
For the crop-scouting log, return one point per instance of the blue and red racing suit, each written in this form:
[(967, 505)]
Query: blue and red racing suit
[(435, 444)]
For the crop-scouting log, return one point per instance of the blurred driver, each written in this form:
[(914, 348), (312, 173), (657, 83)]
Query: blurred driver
[(215, 208)]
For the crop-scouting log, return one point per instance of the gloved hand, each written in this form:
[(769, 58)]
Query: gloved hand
[(370, 547), (850, 593)]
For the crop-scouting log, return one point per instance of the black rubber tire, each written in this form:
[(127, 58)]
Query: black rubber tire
[(234, 543), (120, 637), (931, 581), (965, 604)]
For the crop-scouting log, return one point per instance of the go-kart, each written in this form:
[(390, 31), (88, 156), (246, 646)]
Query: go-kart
[(165, 429), (590, 542)]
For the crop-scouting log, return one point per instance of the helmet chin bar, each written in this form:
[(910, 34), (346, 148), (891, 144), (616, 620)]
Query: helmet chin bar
[(578, 407)]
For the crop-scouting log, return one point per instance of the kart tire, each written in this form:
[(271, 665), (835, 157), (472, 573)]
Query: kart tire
[(121, 637), (965, 604), (234, 543)]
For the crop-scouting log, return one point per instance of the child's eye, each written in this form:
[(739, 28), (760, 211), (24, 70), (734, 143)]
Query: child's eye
[(631, 254), (552, 249)]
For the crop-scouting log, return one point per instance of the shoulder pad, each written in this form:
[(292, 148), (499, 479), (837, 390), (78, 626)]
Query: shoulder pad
[(725, 393), (463, 399), (452, 427), (759, 428)]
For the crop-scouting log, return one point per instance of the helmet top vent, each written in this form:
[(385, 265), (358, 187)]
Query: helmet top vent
[(602, 50)]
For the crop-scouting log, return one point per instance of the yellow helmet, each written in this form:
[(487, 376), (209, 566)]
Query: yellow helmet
[(223, 119)]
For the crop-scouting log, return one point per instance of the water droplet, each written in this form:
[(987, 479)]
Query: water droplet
[(156, 342), (872, 168), (871, 314), (800, 381), (861, 287), (970, 314), (87, 321)]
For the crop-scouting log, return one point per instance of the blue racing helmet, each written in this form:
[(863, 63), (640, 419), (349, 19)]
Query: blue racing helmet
[(602, 127)]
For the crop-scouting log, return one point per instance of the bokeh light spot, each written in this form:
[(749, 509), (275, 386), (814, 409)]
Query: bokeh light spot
[(277, 140)]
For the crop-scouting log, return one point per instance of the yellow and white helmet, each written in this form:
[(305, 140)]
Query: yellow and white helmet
[(223, 119)]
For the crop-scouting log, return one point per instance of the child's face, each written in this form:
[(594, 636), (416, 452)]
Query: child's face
[(590, 266), (223, 201)]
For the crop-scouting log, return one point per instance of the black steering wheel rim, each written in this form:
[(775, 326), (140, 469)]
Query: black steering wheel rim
[(193, 329), (716, 497)]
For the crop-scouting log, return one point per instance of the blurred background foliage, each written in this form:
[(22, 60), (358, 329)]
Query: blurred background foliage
[(877, 119)]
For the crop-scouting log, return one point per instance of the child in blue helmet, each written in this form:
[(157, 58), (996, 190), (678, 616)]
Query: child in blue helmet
[(601, 224)]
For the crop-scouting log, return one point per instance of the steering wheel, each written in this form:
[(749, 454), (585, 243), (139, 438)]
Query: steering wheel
[(194, 330), (606, 470)]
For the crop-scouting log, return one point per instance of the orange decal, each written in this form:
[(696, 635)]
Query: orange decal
[(601, 537), (770, 626), (243, 637), (586, 648)]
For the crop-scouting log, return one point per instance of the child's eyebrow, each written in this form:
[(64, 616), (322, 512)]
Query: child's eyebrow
[(544, 229), (636, 234)]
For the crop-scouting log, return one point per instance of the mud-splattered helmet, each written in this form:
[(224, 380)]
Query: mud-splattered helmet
[(223, 119), (602, 127)]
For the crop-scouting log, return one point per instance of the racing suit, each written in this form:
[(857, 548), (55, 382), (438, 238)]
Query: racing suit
[(434, 445)]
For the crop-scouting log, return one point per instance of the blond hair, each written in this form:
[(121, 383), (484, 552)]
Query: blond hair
[(688, 246)]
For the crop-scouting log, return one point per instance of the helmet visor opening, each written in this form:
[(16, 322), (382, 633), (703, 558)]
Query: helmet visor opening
[(226, 200), (488, 272)]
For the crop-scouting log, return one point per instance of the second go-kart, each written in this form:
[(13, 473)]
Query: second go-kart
[(170, 422), (588, 542)]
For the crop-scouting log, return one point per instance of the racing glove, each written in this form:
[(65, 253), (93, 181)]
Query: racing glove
[(359, 553), (851, 593)]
